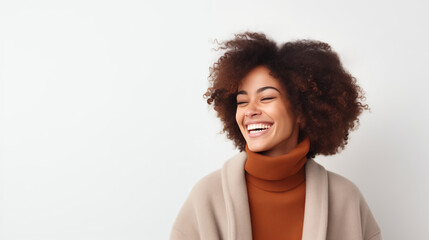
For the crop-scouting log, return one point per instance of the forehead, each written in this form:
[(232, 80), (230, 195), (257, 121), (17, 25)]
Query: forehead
[(257, 78)]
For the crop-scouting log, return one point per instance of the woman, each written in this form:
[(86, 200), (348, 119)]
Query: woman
[(281, 106)]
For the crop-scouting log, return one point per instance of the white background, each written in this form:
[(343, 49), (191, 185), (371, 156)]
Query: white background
[(104, 130)]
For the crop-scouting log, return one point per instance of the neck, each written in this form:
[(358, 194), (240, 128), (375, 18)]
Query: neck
[(280, 166), (282, 149)]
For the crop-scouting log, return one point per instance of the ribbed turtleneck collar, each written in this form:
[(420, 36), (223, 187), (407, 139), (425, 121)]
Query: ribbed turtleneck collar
[(277, 173)]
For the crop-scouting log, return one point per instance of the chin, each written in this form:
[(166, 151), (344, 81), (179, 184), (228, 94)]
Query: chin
[(257, 147)]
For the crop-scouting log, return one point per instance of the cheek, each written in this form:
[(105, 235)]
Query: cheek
[(284, 118), (289, 120), (239, 119)]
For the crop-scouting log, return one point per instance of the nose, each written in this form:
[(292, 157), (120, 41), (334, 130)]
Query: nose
[(251, 111)]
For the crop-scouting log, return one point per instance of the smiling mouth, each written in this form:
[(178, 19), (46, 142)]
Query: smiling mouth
[(256, 130)]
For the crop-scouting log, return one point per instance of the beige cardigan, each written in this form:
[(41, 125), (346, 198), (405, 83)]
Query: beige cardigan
[(218, 208)]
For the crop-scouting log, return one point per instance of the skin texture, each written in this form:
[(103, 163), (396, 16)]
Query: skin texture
[(269, 106)]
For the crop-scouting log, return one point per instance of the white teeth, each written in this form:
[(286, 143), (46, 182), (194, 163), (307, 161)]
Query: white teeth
[(257, 125), (252, 131)]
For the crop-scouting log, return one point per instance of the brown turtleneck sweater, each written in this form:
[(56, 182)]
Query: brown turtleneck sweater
[(276, 189)]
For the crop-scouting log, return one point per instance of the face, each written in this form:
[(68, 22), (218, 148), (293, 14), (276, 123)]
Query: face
[(264, 114)]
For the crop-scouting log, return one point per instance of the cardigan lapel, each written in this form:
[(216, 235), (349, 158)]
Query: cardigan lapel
[(236, 199), (237, 204), (316, 202)]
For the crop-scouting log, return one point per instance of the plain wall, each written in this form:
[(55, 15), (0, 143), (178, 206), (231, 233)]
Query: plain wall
[(104, 130)]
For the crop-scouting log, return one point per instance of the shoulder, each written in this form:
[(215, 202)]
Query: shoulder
[(342, 187), (337, 185), (190, 223), (208, 186), (203, 214), (348, 208)]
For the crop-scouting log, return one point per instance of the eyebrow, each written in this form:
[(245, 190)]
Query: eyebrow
[(259, 90)]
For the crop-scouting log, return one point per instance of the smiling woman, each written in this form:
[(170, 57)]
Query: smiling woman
[(281, 106), (264, 114)]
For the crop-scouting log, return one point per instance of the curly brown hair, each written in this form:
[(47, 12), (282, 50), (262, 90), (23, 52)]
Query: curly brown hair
[(324, 95)]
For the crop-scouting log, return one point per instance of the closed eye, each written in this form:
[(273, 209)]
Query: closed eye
[(268, 98)]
